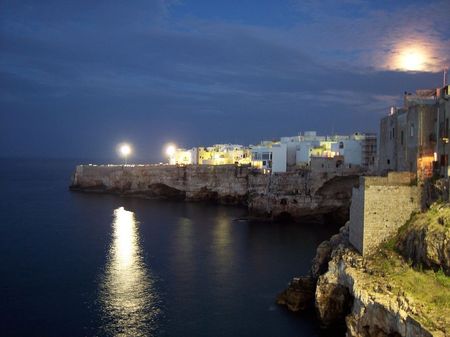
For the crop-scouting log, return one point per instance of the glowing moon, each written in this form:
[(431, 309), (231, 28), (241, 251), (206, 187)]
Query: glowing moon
[(413, 60)]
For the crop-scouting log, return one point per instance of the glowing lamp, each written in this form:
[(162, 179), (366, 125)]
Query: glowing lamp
[(125, 151), (170, 150)]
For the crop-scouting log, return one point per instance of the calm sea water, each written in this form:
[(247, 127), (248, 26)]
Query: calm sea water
[(76, 264)]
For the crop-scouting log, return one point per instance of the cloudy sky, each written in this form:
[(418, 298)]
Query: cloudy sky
[(78, 77)]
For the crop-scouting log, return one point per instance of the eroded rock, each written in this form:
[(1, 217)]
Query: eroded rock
[(299, 295), (333, 302)]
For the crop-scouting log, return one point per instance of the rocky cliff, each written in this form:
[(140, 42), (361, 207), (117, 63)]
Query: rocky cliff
[(382, 294), (294, 194), (425, 240)]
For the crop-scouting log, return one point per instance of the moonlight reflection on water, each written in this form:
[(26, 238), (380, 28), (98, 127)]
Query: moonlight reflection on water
[(126, 294)]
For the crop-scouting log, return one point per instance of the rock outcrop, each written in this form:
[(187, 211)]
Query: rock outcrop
[(290, 195), (358, 291), (370, 308), (299, 295)]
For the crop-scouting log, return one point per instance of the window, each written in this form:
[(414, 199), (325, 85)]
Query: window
[(411, 130), (401, 137), (388, 162), (256, 156), (266, 156), (341, 145)]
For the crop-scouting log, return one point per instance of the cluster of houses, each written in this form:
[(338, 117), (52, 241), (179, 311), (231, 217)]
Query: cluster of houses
[(412, 138), (323, 153)]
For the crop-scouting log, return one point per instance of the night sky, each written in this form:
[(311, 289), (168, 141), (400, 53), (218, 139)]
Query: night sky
[(78, 77)]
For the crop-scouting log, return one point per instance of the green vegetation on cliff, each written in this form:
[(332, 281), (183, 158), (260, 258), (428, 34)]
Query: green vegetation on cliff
[(414, 264)]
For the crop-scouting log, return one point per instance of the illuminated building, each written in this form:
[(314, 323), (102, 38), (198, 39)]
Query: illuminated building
[(182, 156), (270, 156), (223, 154), (357, 150), (219, 154), (408, 135)]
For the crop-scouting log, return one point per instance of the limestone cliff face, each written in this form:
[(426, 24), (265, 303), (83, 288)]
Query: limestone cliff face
[(369, 309), (345, 288), (215, 183), (293, 194)]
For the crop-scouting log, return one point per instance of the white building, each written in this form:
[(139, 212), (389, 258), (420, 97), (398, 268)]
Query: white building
[(356, 150), (218, 154), (279, 156)]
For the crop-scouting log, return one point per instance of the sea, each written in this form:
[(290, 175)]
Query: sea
[(79, 264)]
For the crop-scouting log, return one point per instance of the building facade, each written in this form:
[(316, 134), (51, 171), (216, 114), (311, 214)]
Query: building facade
[(408, 135), (218, 154), (356, 151), (272, 156)]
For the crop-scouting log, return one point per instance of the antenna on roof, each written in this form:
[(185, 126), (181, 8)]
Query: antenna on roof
[(444, 83)]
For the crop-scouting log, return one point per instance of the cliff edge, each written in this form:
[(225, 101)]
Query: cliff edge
[(293, 195), (402, 289)]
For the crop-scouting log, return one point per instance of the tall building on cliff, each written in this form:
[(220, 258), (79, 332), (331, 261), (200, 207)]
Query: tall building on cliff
[(408, 136), (415, 138)]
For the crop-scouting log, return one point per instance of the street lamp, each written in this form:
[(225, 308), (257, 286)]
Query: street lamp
[(125, 150), (170, 152)]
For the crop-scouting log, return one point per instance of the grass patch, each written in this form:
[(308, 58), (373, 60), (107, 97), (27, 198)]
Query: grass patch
[(443, 279), (428, 290)]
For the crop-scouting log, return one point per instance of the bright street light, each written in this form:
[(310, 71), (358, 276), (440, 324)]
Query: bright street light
[(125, 151), (170, 150)]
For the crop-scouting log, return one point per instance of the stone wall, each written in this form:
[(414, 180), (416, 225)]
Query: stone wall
[(379, 207), (294, 194), (356, 233)]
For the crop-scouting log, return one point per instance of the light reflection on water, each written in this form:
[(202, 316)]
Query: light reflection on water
[(126, 295), (222, 242)]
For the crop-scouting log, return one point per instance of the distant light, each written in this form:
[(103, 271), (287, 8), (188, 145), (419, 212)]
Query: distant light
[(170, 150), (125, 150)]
